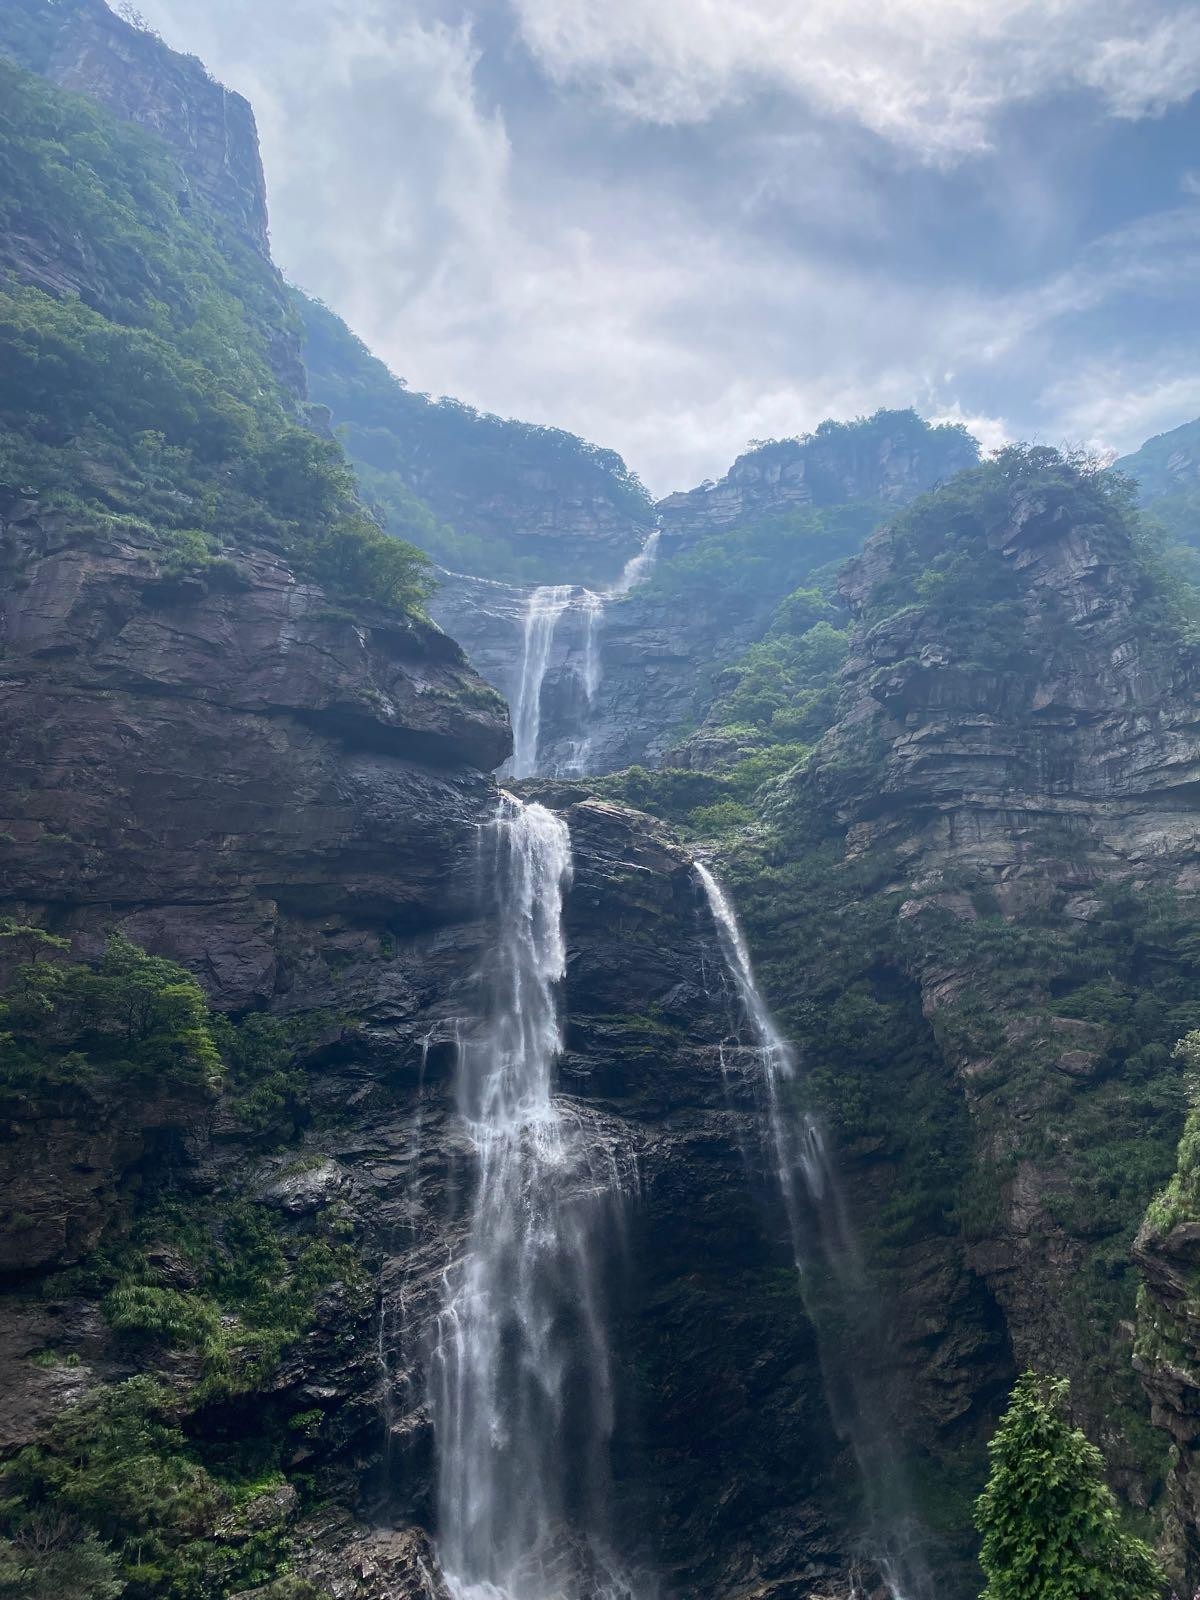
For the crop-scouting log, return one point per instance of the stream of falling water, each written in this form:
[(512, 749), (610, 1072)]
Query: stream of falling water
[(822, 1235), (521, 1384), (543, 612)]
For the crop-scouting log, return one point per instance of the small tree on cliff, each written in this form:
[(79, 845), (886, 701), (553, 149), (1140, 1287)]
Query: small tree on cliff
[(1050, 1525)]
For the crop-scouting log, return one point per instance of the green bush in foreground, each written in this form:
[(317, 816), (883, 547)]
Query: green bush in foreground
[(1050, 1525)]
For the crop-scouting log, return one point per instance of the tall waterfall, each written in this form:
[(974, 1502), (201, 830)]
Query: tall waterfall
[(823, 1239), (546, 605), (521, 1385), (544, 610)]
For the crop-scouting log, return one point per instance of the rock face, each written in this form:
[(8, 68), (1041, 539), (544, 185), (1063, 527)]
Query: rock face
[(1102, 730), (653, 662), (511, 500), (1167, 464), (1168, 1361), (1018, 823), (271, 794), (225, 765), (654, 655), (84, 47), (893, 462)]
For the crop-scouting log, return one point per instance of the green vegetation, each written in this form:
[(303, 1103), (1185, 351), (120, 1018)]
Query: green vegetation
[(250, 1297), (130, 1491), (737, 567), (135, 1024), (116, 1500), (430, 464), (149, 405), (138, 1021), (1180, 1199), (1065, 1024), (1050, 1526)]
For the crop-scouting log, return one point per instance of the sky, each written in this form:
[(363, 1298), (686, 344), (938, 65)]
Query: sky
[(674, 226)]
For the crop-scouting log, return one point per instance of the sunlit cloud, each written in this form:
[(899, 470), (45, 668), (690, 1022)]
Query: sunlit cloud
[(674, 228)]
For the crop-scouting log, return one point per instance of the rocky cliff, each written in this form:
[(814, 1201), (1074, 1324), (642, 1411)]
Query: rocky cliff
[(84, 47), (890, 457), (483, 494), (729, 554), (241, 923), (285, 800), (973, 907)]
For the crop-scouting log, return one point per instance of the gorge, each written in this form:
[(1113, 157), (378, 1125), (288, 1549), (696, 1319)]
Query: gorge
[(640, 1176)]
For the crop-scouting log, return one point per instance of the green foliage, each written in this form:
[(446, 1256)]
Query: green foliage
[(149, 404), (947, 549), (52, 1559), (252, 1299), (1049, 1522), (736, 567), (265, 1077), (1180, 1200), (136, 1023), (783, 688), (702, 803), (115, 1499), (117, 1463), (428, 463), (137, 1020)]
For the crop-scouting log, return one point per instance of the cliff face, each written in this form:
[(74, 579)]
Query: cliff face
[(483, 494), (891, 458), (1167, 464), (83, 47), (973, 911), (728, 554), (286, 800), (225, 1276), (209, 133)]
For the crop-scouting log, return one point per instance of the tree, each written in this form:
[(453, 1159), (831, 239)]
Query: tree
[(1050, 1525)]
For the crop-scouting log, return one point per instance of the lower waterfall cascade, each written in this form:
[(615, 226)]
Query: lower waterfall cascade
[(823, 1239), (521, 1381)]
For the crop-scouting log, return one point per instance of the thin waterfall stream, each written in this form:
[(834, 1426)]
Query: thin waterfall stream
[(521, 1392), (823, 1239)]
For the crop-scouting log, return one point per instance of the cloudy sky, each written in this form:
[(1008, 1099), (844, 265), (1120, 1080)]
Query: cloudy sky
[(675, 225)]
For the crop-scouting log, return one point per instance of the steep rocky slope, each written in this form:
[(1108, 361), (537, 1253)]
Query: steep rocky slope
[(286, 801), (483, 494), (729, 555), (890, 458), (973, 907), (239, 755)]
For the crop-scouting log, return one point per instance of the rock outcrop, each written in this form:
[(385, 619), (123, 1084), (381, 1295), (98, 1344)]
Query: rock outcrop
[(1012, 789), (224, 763), (892, 458), (494, 496), (84, 47), (286, 799), (654, 656)]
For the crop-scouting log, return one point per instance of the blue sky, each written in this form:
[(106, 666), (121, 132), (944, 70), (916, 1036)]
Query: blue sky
[(676, 225)]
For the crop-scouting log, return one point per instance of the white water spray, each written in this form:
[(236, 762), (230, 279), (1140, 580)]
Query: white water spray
[(543, 612), (546, 605), (821, 1233), (521, 1380)]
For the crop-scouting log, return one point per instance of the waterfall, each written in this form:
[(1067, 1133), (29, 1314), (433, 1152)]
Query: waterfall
[(543, 611), (521, 1384), (822, 1236), (546, 605), (635, 569)]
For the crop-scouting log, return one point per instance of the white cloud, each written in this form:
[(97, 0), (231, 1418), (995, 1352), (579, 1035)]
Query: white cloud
[(646, 309), (1114, 405), (930, 75)]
